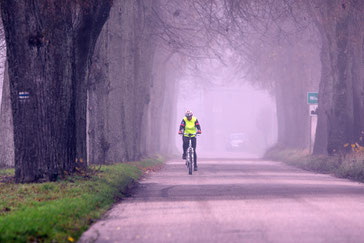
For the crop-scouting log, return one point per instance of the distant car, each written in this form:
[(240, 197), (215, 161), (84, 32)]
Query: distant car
[(237, 141)]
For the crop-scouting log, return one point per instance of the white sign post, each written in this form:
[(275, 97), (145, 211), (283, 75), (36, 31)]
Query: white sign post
[(312, 101), (313, 110)]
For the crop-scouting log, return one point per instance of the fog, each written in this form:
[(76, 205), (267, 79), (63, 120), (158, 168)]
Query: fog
[(244, 68), (237, 119)]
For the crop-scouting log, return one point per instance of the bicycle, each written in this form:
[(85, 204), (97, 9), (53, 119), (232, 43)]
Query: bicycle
[(190, 153)]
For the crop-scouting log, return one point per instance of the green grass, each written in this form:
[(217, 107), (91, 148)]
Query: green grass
[(6, 172), (350, 166), (60, 211)]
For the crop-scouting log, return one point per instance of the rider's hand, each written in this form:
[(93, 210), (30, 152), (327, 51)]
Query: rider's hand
[(199, 132), (179, 132)]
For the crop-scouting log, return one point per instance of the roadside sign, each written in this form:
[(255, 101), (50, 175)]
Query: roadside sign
[(312, 98), (23, 96), (313, 110)]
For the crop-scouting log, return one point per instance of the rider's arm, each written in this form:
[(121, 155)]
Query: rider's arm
[(182, 126), (197, 124)]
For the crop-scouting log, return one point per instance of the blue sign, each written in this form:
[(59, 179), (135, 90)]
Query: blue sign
[(312, 98), (23, 95)]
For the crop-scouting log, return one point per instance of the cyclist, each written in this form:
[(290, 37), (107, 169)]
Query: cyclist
[(189, 125)]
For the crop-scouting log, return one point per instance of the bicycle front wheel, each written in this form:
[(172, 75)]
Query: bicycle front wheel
[(190, 159)]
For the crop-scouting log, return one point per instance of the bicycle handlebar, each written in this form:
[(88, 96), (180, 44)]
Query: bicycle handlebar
[(190, 134)]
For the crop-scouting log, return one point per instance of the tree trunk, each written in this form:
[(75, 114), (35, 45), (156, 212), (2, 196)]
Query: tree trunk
[(325, 91), (49, 45), (293, 118), (128, 50), (98, 107), (341, 101), (291, 98), (170, 124), (161, 129), (6, 125), (155, 107)]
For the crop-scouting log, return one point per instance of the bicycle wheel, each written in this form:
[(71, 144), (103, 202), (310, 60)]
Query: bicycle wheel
[(190, 158)]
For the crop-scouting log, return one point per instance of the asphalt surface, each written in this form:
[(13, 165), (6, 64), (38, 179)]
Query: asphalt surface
[(232, 200)]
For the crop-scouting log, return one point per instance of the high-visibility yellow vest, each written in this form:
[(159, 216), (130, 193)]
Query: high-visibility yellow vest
[(190, 126)]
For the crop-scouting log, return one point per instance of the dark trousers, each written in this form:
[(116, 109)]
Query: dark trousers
[(185, 146)]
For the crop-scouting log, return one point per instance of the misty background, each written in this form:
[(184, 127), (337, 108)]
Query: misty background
[(226, 104)]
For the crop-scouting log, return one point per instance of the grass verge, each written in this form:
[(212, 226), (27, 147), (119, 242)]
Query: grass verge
[(350, 166), (61, 211)]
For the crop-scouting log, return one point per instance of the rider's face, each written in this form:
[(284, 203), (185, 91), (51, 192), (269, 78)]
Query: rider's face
[(189, 118)]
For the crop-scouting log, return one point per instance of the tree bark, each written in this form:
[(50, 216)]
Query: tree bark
[(98, 106), (292, 112), (6, 125), (325, 91), (128, 50), (49, 45), (291, 87), (161, 129)]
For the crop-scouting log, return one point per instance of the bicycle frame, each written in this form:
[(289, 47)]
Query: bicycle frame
[(190, 153)]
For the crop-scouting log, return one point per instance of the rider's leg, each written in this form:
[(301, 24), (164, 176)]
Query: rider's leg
[(184, 146), (194, 143)]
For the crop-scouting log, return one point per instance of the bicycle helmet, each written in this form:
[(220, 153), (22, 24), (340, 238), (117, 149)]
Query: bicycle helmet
[(188, 113)]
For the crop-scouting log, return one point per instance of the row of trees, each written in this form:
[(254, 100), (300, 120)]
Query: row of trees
[(293, 47), (131, 86), (276, 47), (90, 82), (95, 81), (341, 97)]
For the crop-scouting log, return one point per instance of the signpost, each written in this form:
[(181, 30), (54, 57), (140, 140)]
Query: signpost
[(312, 101)]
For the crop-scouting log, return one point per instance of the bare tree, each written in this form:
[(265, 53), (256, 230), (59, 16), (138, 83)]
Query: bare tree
[(271, 39), (133, 82)]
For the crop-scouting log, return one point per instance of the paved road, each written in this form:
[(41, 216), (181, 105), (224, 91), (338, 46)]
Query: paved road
[(236, 201)]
